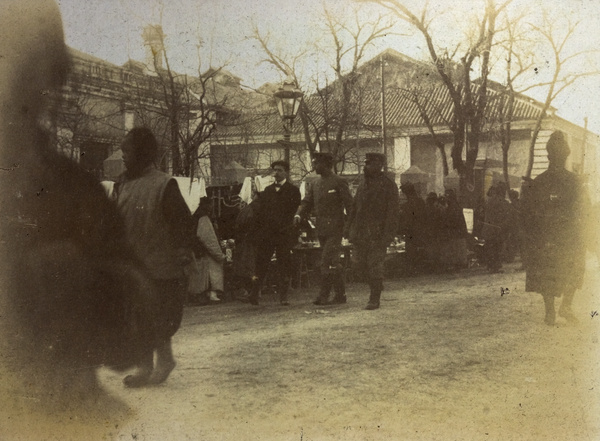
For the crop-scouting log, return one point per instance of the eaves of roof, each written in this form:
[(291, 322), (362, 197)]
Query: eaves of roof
[(402, 111)]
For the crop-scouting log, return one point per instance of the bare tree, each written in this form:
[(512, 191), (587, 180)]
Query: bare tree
[(188, 106), (330, 114), (517, 60), (563, 74), (73, 117), (457, 73)]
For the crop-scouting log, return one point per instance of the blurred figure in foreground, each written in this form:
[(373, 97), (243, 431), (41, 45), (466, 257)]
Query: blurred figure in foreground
[(72, 295), (160, 230), (554, 207)]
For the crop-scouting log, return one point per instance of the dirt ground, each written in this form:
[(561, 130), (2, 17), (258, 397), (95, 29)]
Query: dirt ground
[(447, 357)]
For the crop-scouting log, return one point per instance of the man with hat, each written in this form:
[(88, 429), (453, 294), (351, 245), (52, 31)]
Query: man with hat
[(554, 206), (373, 223), (276, 231), (327, 198)]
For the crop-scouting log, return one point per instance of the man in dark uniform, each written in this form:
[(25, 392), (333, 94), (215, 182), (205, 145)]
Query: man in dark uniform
[(373, 223), (328, 197), (275, 220), (554, 206)]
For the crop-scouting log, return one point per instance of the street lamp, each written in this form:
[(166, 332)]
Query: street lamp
[(288, 98)]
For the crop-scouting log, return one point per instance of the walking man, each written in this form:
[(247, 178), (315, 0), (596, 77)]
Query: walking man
[(160, 230), (275, 221), (373, 223), (554, 208), (328, 197)]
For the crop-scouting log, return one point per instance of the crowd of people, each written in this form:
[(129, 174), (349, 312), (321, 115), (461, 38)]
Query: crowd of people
[(434, 230)]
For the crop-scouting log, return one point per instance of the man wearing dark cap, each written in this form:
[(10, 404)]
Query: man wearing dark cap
[(327, 198), (373, 223), (554, 205)]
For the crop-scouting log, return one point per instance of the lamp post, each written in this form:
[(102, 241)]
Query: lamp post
[(288, 98)]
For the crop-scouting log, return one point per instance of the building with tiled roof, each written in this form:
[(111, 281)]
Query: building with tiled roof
[(102, 101), (254, 141)]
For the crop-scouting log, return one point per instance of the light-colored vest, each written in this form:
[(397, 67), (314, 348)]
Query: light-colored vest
[(140, 203)]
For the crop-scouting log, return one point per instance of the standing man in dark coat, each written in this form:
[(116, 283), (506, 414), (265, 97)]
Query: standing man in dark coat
[(373, 223), (495, 226), (160, 229), (328, 197), (413, 226), (554, 207), (276, 230)]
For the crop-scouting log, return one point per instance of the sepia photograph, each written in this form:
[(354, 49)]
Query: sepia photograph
[(308, 220)]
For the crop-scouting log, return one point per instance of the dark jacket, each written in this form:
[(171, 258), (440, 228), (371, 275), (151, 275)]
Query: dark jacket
[(497, 218), (159, 225), (554, 207), (454, 224), (375, 211), (277, 209), (413, 220), (327, 197)]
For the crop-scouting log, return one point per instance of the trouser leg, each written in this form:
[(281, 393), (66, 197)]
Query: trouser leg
[(263, 260), (338, 275), (375, 286), (549, 308), (375, 253), (284, 265), (324, 289), (330, 267), (165, 362), (339, 287), (565, 306)]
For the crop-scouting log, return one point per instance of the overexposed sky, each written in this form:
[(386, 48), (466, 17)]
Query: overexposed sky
[(111, 29)]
